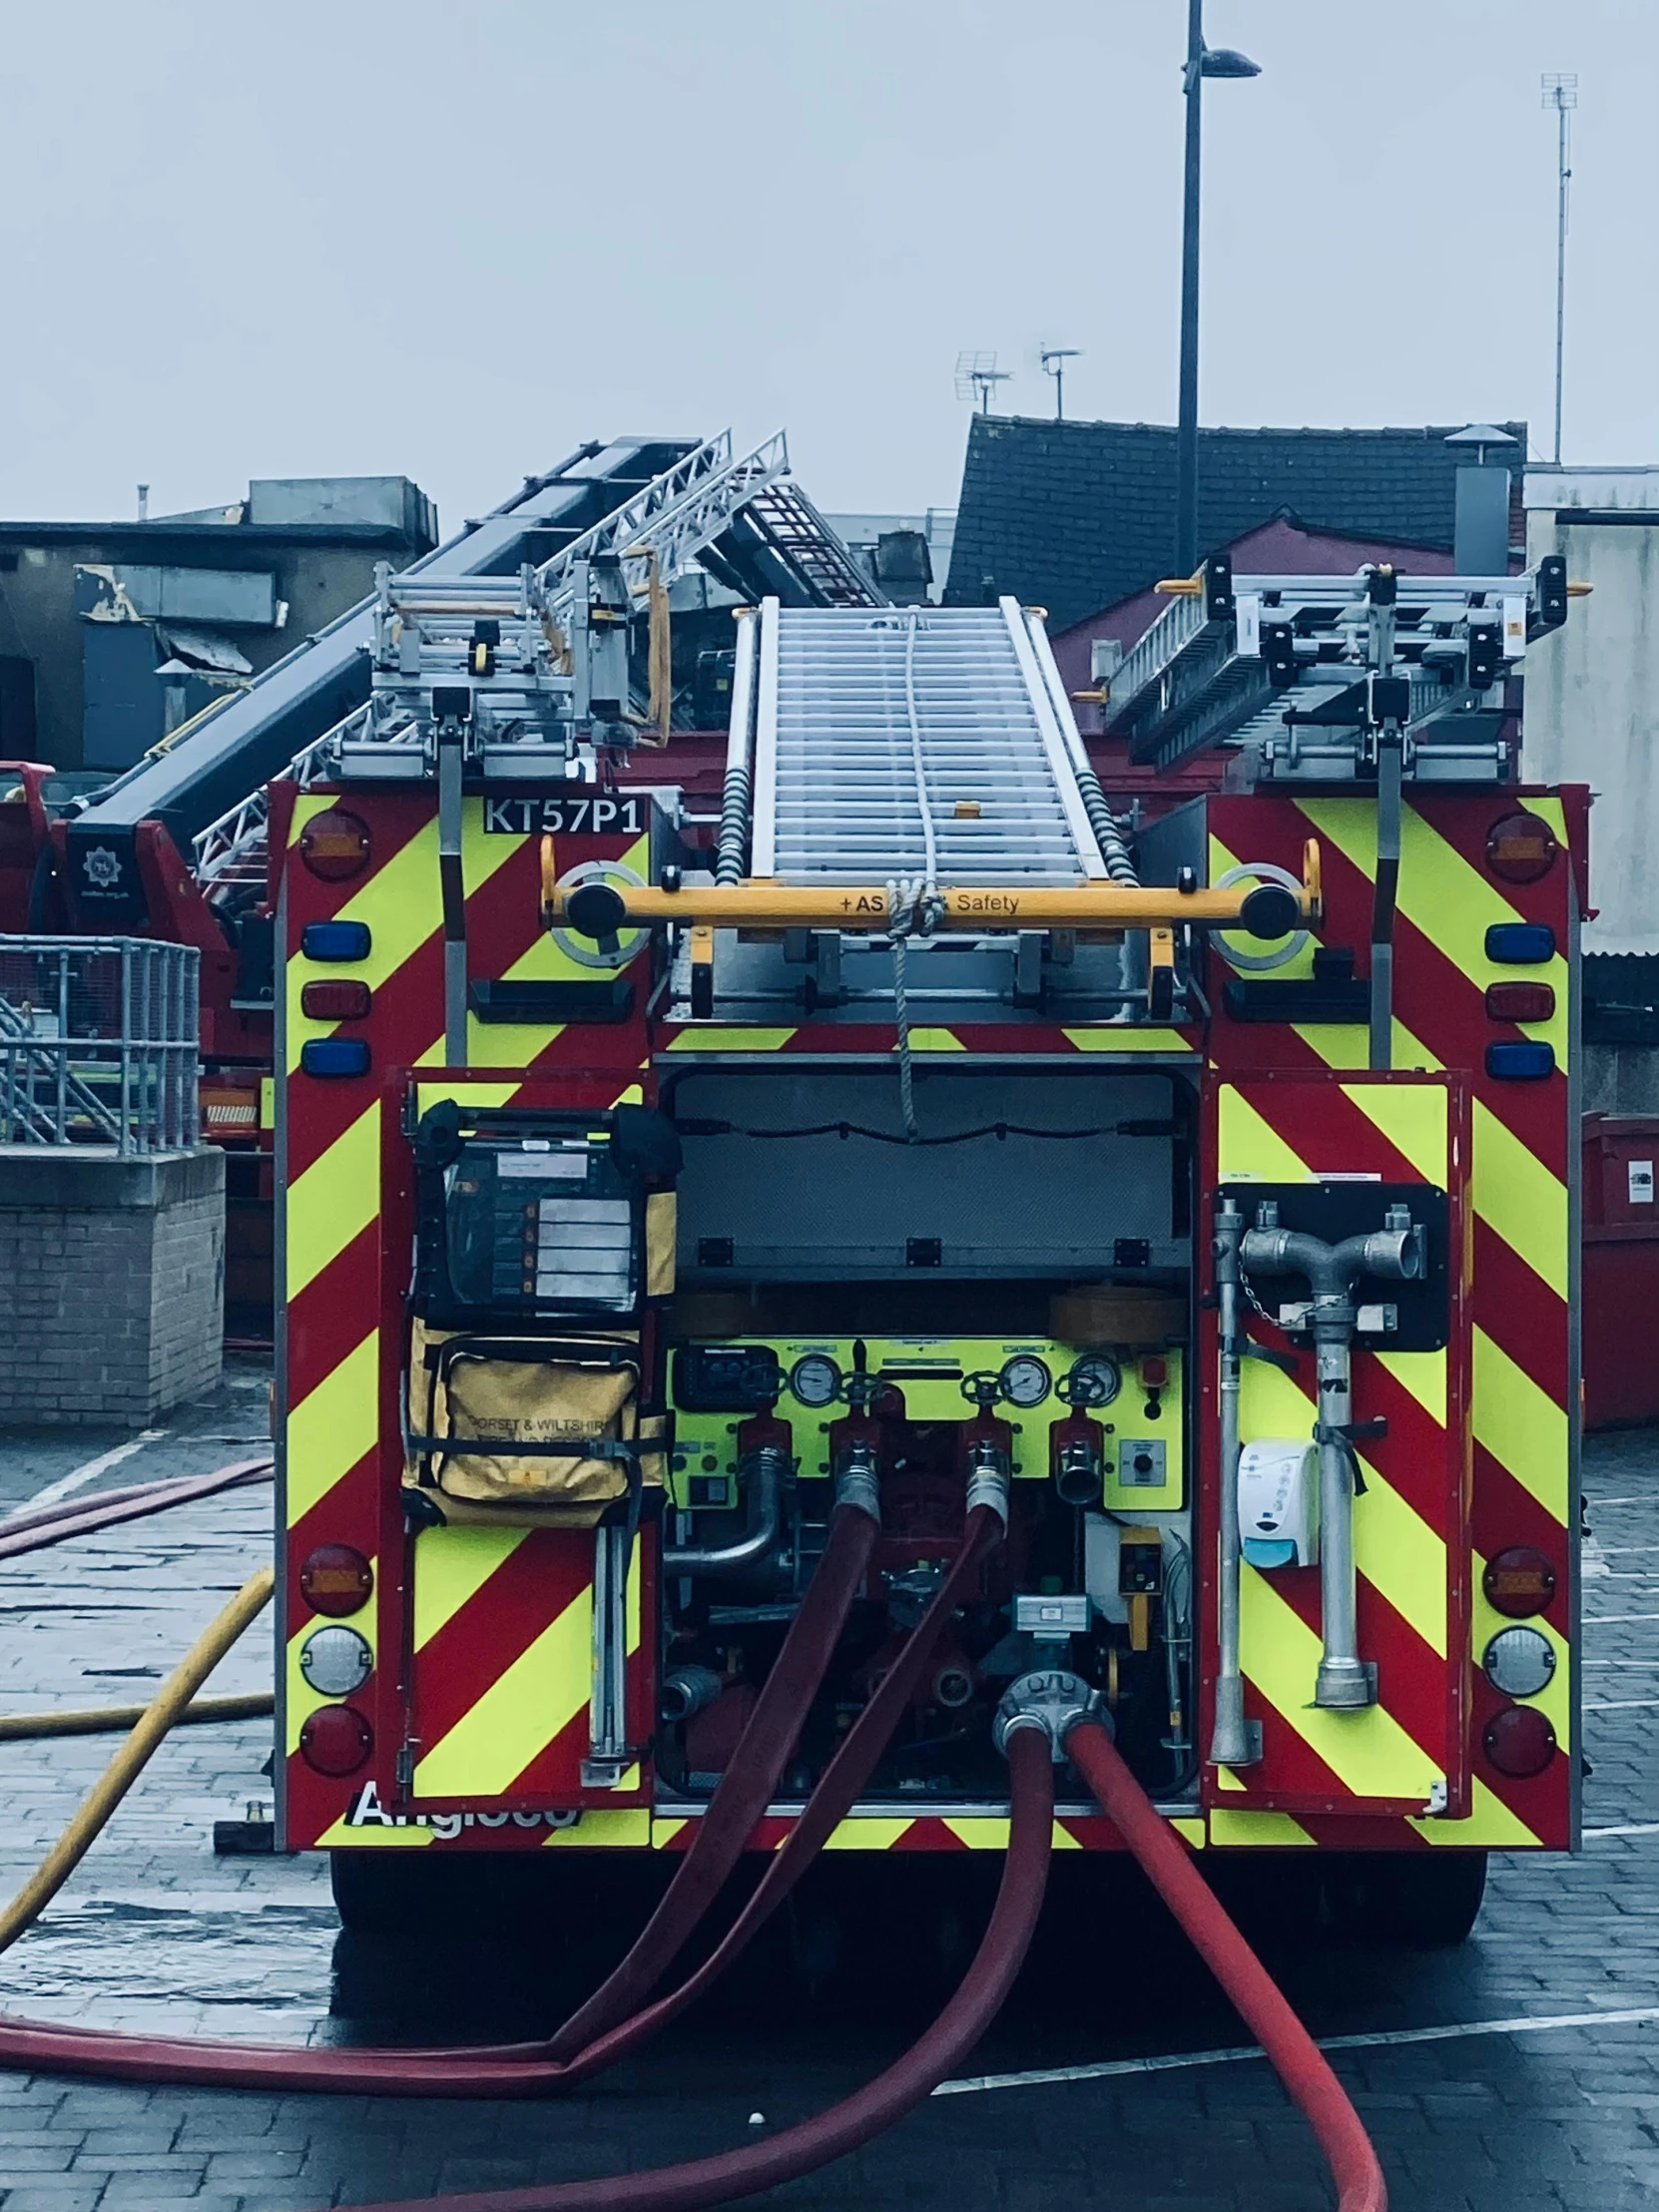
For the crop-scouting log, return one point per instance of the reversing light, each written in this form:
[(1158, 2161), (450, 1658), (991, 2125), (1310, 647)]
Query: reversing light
[(1519, 1741), (1520, 943), (335, 845), (336, 1661), (1520, 1661), (335, 1740), (1520, 1063), (1519, 1581), (337, 1579), (1520, 848), (344, 998), (1512, 1002), (334, 1056)]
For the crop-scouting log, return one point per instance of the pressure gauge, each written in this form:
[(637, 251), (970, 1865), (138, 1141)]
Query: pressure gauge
[(816, 1380), (1026, 1380), (1092, 1381)]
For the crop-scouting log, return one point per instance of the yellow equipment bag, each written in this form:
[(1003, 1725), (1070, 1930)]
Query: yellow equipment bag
[(532, 1428)]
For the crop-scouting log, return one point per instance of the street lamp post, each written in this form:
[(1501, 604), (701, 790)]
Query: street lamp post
[(1202, 62)]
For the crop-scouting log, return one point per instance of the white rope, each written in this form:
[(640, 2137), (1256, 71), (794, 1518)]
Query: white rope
[(918, 764), (912, 909)]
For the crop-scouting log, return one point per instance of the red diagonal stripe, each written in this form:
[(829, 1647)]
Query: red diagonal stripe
[(1328, 1131), (345, 1516), (1520, 1311), (333, 1315), (496, 1626), (1464, 829), (1411, 1673), (1504, 1513), (1365, 1831), (1433, 997), (1290, 1765)]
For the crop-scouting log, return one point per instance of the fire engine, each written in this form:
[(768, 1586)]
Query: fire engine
[(1157, 1236)]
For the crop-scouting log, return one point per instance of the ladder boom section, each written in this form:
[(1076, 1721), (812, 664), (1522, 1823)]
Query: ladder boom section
[(917, 744), (1248, 658)]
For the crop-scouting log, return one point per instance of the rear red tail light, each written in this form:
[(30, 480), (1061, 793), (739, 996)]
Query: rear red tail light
[(1519, 1741), (1520, 848), (1519, 1581), (335, 1740), (1519, 1001), (335, 845), (343, 998), (337, 1579)]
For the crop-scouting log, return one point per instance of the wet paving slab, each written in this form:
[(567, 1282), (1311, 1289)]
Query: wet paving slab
[(154, 1932)]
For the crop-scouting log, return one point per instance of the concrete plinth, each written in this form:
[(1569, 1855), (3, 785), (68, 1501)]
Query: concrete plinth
[(112, 1282)]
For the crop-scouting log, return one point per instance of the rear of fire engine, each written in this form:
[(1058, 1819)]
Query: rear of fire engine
[(1153, 1239)]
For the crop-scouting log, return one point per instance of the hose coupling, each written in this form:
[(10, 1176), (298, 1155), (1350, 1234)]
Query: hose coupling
[(988, 1481), (858, 1482), (686, 1690), (1050, 1699)]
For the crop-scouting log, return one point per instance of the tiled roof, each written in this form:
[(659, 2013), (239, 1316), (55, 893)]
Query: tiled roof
[(1077, 515)]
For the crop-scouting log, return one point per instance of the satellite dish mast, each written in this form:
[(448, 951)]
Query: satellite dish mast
[(1054, 359), (976, 374)]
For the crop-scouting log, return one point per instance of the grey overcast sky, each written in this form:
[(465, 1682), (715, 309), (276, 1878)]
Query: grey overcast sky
[(453, 239)]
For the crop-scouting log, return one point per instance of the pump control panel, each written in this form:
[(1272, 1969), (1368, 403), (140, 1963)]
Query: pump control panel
[(1139, 1405)]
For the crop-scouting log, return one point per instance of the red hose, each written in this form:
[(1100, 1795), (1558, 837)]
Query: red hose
[(1296, 2058), (520, 2069), (33, 1529), (837, 1789), (857, 2118), (746, 1789)]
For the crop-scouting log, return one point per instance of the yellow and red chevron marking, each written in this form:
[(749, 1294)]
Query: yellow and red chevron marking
[(1523, 1388), (877, 1831), (502, 1667), (839, 1038), (1408, 1749), (344, 1161)]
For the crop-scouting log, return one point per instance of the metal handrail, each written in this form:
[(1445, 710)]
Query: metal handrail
[(99, 1043)]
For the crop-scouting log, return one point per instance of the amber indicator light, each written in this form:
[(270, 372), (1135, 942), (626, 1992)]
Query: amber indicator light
[(1519, 1581), (337, 1579), (1520, 848), (335, 845)]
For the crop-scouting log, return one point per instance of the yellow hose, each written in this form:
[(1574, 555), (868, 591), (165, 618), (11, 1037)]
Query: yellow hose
[(109, 1720), (167, 1704)]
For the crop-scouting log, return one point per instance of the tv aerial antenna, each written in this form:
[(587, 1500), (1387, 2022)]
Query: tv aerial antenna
[(978, 376), (1054, 359)]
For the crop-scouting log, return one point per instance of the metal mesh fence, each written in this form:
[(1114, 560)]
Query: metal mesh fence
[(99, 1043)]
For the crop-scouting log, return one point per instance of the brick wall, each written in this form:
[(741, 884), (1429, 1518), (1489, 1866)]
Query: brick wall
[(113, 1271)]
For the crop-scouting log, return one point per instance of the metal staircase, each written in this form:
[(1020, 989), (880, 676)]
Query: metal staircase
[(930, 744)]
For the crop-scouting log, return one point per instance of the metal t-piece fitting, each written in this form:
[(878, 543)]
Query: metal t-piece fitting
[(1050, 1699)]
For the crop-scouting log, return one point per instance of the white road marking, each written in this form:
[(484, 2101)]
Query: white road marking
[(78, 1477), (1633, 1828), (1594, 1503), (1594, 1621), (1170, 2062), (1624, 1705), (1611, 1551)]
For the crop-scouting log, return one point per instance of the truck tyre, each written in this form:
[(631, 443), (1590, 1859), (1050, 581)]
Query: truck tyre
[(1413, 1899)]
